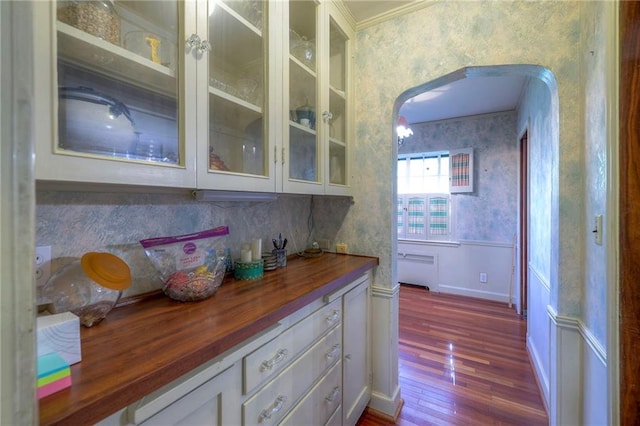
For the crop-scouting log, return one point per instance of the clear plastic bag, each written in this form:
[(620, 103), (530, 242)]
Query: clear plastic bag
[(190, 266)]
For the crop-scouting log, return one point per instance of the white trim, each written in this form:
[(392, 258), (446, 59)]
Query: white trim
[(18, 402), (385, 292), (541, 278), (486, 243), (429, 242), (612, 227), (399, 11), (542, 378), (384, 404), (480, 294)]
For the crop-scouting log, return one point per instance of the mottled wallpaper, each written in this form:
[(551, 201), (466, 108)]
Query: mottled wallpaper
[(73, 223), (489, 213), (412, 50)]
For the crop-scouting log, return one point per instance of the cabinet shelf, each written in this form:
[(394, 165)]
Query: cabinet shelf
[(244, 21), (302, 128), (338, 92), (243, 43), (235, 100), (103, 57), (302, 66)]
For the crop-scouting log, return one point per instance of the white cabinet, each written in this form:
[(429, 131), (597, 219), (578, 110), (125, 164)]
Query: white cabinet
[(205, 94), (312, 366), (357, 384), (317, 72), (110, 86)]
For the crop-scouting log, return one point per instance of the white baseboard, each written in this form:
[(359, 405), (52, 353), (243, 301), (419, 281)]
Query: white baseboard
[(461, 291), (384, 404)]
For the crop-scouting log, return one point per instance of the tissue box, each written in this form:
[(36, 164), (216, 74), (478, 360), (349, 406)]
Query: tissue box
[(54, 374), (60, 333)]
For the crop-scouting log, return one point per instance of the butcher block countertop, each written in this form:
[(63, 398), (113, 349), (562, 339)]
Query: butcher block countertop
[(143, 346)]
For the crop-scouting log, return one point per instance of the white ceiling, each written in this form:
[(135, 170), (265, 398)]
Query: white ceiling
[(468, 96)]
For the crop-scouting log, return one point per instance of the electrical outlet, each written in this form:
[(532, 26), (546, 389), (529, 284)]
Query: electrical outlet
[(483, 277), (42, 264), (325, 244), (341, 248)]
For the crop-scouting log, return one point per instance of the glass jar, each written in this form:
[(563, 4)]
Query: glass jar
[(89, 287), (98, 18)]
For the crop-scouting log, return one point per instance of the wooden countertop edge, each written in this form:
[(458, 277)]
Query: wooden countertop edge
[(117, 397)]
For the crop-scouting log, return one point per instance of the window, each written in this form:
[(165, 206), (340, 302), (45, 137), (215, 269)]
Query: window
[(424, 216), (425, 183), (426, 172)]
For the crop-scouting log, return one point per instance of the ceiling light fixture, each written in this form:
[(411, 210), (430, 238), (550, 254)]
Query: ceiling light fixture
[(403, 130)]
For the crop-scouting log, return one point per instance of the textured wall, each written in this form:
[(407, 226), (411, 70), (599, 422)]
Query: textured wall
[(409, 51), (596, 124), (490, 212), (73, 223)]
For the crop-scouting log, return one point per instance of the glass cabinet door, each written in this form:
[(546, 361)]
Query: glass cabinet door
[(304, 149), (236, 92), (336, 117), (117, 76)]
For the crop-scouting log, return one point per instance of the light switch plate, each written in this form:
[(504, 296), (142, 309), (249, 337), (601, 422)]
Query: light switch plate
[(598, 229)]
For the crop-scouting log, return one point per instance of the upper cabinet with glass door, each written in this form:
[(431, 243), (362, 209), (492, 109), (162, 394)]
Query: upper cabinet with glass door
[(337, 118), (318, 103), (302, 170), (233, 150), (114, 70)]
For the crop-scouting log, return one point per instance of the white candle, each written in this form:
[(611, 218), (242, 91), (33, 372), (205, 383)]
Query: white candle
[(256, 249), (245, 256)]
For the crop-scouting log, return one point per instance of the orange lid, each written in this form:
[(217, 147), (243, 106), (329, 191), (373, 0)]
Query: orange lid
[(106, 269)]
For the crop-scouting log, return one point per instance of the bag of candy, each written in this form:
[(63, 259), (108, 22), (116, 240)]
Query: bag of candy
[(190, 266)]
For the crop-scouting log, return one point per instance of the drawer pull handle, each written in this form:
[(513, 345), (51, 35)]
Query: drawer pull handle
[(348, 356), (335, 316), (334, 395), (266, 414), (281, 355), (333, 353)]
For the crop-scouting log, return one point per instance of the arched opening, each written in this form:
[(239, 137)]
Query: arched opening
[(482, 255)]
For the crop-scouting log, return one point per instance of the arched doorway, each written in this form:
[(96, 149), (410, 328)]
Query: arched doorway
[(537, 115)]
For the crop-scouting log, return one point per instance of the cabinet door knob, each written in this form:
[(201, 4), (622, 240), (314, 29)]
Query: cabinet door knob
[(205, 46), (348, 356), (326, 116), (195, 42)]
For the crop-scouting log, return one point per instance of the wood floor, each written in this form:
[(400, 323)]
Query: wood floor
[(462, 361)]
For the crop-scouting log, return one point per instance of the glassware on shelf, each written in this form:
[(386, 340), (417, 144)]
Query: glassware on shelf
[(152, 47), (98, 18)]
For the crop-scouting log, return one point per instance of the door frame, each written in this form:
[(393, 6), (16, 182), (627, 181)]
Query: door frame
[(628, 296), (523, 214)]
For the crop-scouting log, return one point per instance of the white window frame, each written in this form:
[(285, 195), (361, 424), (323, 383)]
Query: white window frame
[(429, 224)]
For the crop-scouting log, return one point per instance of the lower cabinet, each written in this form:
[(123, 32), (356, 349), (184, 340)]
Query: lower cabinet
[(356, 387), (312, 367)]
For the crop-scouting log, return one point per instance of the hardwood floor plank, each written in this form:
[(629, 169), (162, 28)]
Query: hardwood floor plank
[(462, 361)]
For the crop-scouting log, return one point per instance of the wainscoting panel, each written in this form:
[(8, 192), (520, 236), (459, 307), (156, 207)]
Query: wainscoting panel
[(457, 267)]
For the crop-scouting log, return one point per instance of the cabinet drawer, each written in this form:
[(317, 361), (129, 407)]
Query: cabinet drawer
[(266, 361), (274, 400), (321, 402), (204, 405)]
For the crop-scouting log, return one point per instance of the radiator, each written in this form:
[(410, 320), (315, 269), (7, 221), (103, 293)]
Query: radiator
[(418, 269)]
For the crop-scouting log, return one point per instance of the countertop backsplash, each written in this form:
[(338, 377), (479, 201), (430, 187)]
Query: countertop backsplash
[(74, 223)]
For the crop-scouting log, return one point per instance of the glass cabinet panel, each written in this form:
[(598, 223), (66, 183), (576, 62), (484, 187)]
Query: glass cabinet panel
[(303, 138), (237, 36), (337, 104), (118, 80)]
